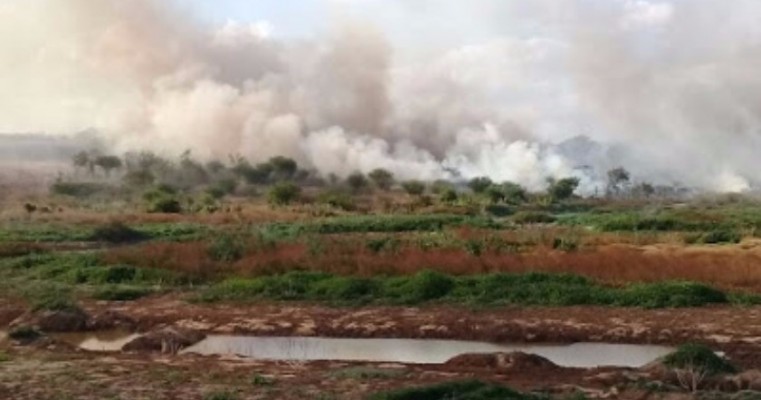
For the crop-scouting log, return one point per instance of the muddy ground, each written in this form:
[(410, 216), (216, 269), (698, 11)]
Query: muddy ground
[(50, 370)]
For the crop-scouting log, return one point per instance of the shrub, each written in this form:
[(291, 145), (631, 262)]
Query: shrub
[(671, 294), (465, 390), (498, 210), (699, 357), (227, 248), (565, 244), (480, 184), (284, 193), (346, 289), (337, 199), (117, 232), (382, 178), (721, 236), (448, 196), (25, 333), (423, 286), (414, 188), (525, 218), (79, 190), (165, 205)]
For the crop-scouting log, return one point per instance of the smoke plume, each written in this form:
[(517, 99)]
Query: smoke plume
[(670, 89)]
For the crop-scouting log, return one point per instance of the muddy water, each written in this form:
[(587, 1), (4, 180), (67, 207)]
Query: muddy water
[(579, 355), (98, 341)]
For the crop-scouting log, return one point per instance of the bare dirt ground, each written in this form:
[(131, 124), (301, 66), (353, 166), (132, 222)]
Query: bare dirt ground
[(54, 371)]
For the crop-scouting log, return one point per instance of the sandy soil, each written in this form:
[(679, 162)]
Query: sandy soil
[(54, 371)]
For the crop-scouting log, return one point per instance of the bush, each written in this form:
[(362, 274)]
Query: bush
[(78, 190), (414, 188), (698, 357), (284, 193), (25, 333), (464, 390), (227, 248), (346, 289), (498, 210), (671, 294), (525, 218), (165, 205), (337, 199), (423, 286), (117, 232), (721, 236)]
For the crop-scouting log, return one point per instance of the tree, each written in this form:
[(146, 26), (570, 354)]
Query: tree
[(480, 184), (563, 189), (514, 193), (357, 181), (284, 193), (414, 188), (382, 178), (448, 196), (617, 179), (495, 194), (83, 160), (108, 163), (283, 168)]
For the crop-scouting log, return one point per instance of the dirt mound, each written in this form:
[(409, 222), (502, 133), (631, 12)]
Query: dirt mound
[(501, 361), (165, 340), (62, 321), (110, 320)]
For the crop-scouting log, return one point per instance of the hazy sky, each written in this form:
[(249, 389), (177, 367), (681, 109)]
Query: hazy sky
[(420, 87)]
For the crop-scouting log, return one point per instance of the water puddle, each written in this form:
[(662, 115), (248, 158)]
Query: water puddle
[(417, 351), (98, 341)]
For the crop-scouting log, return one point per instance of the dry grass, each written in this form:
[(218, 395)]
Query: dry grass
[(730, 267)]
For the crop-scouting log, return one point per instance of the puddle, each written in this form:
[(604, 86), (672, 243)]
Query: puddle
[(416, 351), (98, 341)]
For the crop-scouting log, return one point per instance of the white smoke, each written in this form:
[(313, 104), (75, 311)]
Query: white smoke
[(656, 78)]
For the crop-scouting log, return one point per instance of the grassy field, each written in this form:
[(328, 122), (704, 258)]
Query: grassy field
[(614, 254)]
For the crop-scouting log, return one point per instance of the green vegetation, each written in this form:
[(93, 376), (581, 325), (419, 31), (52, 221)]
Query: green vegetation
[(533, 289), (700, 358), (121, 293), (24, 333), (464, 390), (4, 357), (223, 395), (117, 232)]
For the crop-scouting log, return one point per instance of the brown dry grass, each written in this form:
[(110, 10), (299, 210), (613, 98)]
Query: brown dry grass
[(731, 267)]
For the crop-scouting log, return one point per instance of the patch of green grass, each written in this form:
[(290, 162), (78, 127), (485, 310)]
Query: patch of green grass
[(531, 289), (261, 380), (4, 357), (464, 390), (699, 357)]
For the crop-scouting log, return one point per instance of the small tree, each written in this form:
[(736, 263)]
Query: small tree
[(83, 160), (108, 163), (495, 193), (357, 181), (414, 188), (382, 178), (563, 189), (618, 178), (284, 193), (283, 168), (448, 196), (480, 184), (514, 193)]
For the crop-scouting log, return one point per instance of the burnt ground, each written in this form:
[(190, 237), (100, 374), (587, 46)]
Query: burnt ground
[(53, 371)]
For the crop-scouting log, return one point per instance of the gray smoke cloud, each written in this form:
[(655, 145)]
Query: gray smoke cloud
[(659, 79)]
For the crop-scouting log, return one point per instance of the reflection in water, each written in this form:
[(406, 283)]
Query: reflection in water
[(416, 351), (98, 341)]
